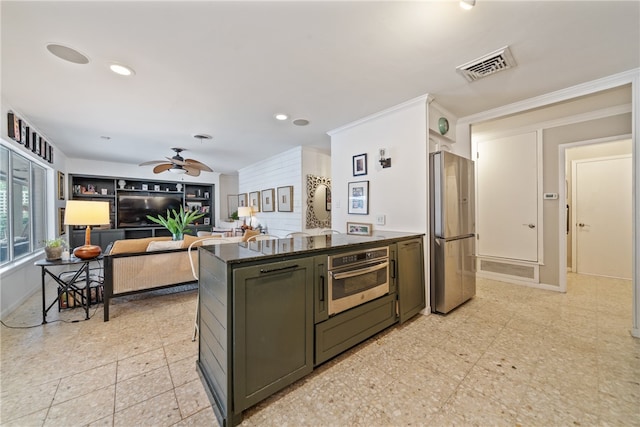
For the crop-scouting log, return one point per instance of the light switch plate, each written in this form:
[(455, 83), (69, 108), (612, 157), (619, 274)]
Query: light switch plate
[(381, 219)]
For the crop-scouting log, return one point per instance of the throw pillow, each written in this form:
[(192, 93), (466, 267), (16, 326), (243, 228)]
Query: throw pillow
[(249, 233), (134, 245), (164, 246)]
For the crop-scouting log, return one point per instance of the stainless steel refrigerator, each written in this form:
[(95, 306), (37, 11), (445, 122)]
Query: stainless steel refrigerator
[(452, 226)]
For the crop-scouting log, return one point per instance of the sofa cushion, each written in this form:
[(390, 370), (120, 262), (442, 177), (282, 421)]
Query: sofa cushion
[(134, 245), (164, 245)]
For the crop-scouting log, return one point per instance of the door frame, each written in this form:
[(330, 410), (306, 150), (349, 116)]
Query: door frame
[(574, 165)]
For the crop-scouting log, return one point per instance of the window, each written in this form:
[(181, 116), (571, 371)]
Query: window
[(23, 226)]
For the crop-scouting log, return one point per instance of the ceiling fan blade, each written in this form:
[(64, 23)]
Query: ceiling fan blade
[(163, 167), (151, 162), (196, 164), (191, 171)]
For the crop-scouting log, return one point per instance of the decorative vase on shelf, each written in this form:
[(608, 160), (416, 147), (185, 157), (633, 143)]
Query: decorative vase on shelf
[(122, 183)]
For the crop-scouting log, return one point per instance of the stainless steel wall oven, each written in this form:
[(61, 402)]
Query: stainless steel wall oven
[(357, 277)]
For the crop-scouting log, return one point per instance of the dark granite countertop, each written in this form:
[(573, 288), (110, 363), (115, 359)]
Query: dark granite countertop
[(267, 250)]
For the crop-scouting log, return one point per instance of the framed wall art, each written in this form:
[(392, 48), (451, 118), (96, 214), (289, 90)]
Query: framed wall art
[(254, 201), (242, 200), (61, 229), (359, 198), (360, 164), (359, 228), (267, 200), (285, 199), (60, 186)]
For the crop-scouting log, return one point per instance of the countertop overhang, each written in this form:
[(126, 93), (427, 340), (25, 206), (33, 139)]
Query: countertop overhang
[(262, 250)]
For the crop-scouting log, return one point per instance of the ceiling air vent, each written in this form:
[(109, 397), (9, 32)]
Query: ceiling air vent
[(491, 63)]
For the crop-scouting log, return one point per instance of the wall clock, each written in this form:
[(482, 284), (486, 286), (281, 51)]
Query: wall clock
[(443, 125)]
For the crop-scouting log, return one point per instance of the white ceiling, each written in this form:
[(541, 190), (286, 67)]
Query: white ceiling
[(225, 68)]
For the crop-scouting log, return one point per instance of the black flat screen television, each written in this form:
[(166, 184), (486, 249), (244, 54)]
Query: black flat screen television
[(133, 209)]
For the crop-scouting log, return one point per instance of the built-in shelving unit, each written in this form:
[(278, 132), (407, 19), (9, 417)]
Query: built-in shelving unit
[(124, 194)]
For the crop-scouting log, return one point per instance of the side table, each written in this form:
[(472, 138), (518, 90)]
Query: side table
[(67, 284)]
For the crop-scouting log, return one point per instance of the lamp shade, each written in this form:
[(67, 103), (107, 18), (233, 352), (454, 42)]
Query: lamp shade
[(244, 211), (81, 212)]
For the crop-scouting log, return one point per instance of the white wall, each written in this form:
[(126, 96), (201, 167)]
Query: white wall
[(228, 186), (284, 169), (399, 192)]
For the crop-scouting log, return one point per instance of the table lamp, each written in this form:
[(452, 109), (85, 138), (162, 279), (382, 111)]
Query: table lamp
[(80, 212), (245, 211)]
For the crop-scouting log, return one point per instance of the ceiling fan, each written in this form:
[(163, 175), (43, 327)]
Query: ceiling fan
[(178, 165)]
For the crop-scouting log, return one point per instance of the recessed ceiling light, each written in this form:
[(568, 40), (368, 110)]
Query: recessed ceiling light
[(301, 122), (281, 116), (123, 70), (467, 4), (67, 53)]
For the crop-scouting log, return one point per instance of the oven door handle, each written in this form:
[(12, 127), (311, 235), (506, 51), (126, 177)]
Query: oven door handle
[(360, 271)]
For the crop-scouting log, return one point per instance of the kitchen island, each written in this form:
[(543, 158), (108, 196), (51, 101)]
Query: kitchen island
[(266, 315)]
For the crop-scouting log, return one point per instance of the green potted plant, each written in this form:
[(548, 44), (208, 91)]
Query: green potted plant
[(53, 248), (176, 222)]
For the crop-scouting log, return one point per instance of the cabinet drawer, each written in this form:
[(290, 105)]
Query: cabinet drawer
[(351, 327)]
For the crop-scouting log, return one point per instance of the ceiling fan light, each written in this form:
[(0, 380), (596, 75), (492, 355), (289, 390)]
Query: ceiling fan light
[(178, 171)]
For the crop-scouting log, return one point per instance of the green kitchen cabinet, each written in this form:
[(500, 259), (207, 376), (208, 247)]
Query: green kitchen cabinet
[(273, 328), (409, 272)]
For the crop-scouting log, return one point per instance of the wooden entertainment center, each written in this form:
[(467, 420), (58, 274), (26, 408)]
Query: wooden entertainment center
[(133, 193)]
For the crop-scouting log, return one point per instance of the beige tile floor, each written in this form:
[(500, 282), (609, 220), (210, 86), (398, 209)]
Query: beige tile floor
[(511, 356)]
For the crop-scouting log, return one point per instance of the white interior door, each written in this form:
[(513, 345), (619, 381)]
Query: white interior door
[(507, 197), (602, 216)]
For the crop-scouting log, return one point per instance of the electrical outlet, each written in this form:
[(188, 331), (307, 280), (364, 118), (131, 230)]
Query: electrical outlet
[(381, 219)]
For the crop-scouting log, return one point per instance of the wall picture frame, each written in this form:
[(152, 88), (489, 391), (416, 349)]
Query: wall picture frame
[(254, 201), (267, 200), (360, 164), (60, 185), (285, 199), (242, 200), (359, 228), (61, 227), (358, 198)]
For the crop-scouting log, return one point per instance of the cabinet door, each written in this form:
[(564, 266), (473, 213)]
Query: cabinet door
[(320, 290), (273, 328), (410, 278)]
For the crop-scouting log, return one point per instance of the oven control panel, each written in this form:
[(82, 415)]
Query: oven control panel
[(342, 260)]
